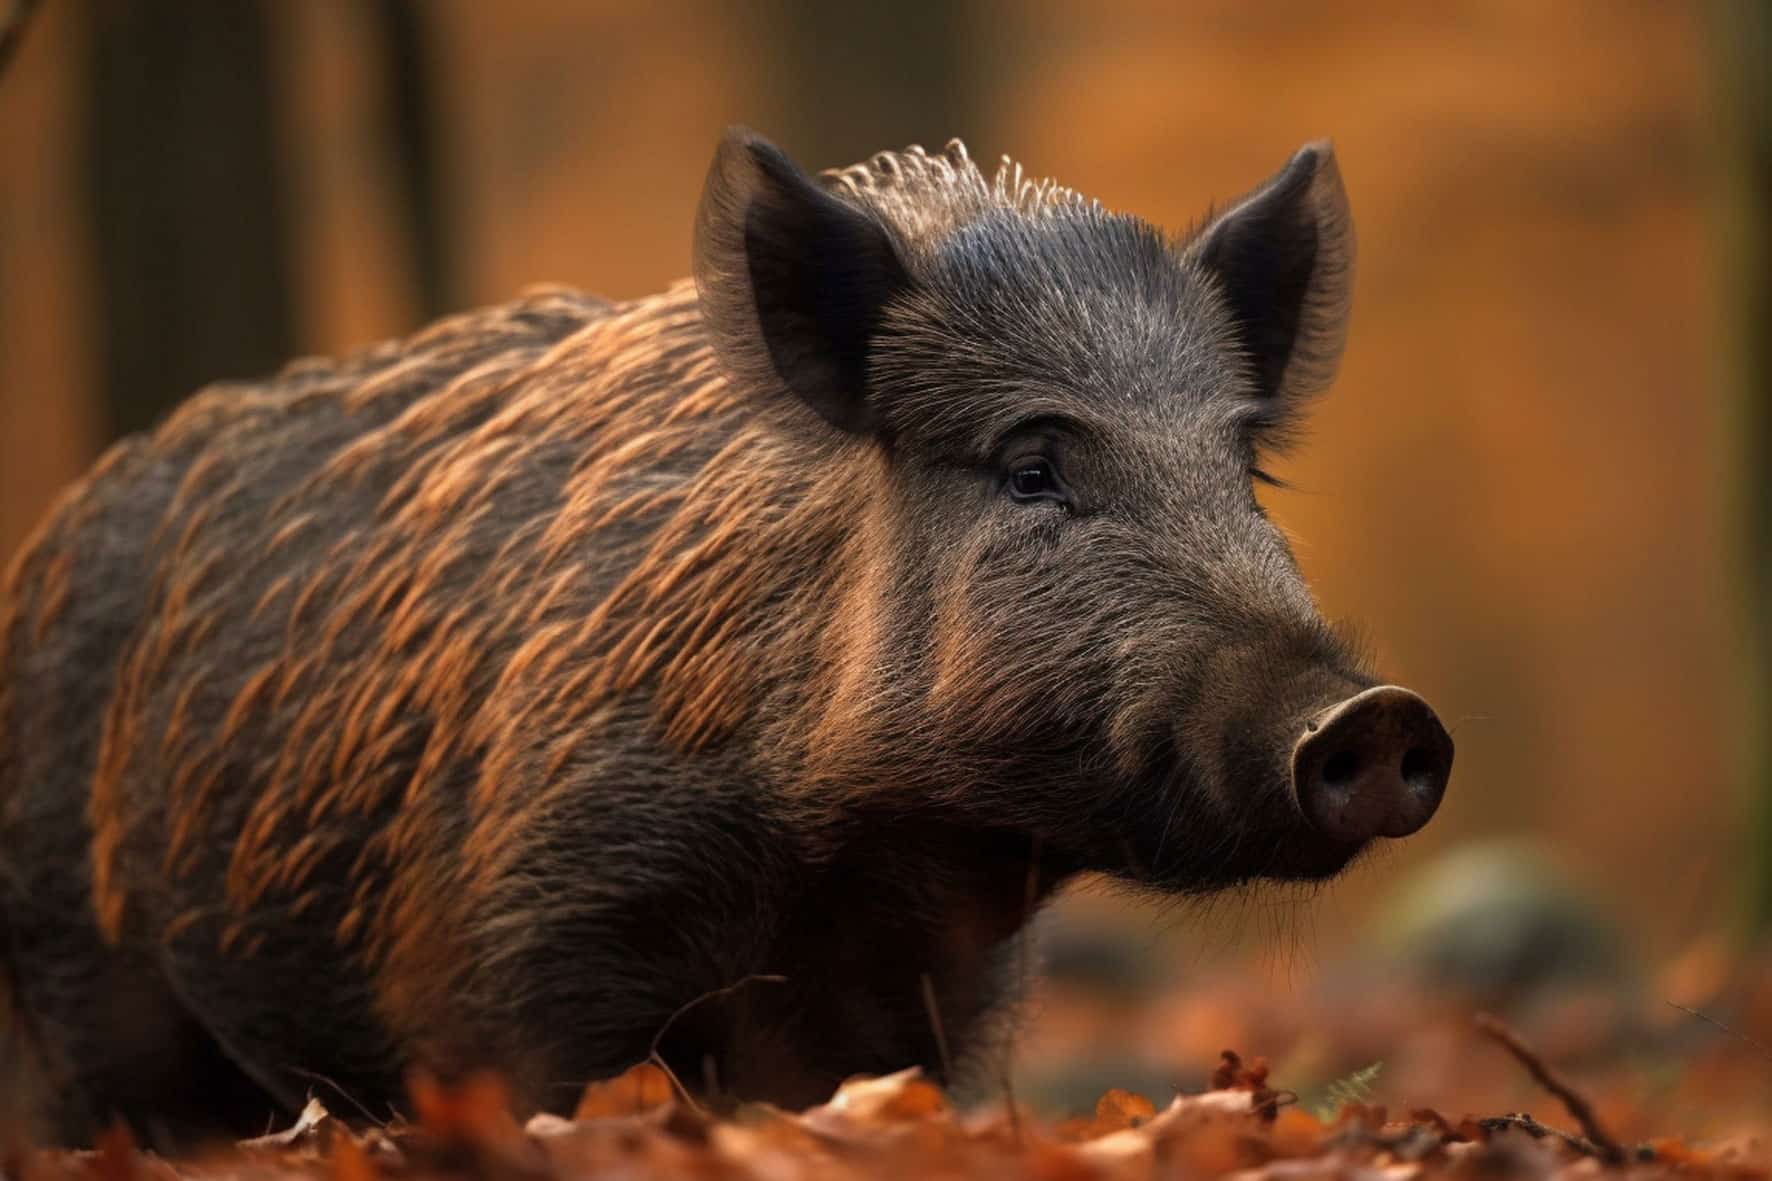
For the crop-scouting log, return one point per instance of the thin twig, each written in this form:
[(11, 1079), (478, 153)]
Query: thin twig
[(710, 1076), (316, 1076), (1023, 973), (1538, 1131), (1607, 1149), (1009, 1100), (657, 1059), (941, 1037), (728, 990), (677, 1088), (1734, 1033)]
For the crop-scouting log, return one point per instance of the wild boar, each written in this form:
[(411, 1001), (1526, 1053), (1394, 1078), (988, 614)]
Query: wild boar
[(729, 673)]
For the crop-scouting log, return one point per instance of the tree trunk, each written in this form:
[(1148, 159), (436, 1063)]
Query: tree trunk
[(1744, 47), (191, 249), (870, 75)]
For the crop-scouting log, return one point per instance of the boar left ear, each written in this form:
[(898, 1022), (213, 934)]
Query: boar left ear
[(792, 280), (1284, 257)]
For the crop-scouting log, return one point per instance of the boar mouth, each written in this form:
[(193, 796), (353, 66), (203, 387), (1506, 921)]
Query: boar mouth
[(1182, 835), (1310, 857)]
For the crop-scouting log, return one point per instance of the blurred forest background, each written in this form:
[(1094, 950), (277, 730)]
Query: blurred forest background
[(1537, 483)]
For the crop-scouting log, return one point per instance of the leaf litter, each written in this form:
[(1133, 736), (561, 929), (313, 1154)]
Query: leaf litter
[(640, 1125)]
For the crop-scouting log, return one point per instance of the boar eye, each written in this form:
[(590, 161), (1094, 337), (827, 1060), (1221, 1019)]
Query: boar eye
[(1034, 479)]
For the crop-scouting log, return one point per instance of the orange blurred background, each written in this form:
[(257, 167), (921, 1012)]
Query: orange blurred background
[(1519, 484)]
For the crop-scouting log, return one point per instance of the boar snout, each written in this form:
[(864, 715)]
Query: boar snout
[(1374, 765)]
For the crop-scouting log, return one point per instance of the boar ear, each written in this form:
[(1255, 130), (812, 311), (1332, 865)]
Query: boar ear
[(1284, 257), (792, 280)]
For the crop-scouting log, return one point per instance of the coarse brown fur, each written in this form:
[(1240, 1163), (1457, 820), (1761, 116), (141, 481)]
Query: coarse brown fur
[(497, 695)]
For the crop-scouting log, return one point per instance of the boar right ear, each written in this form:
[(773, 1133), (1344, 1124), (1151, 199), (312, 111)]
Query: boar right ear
[(792, 280), (1284, 256)]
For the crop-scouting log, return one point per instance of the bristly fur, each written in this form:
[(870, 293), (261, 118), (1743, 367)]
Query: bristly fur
[(488, 696), (923, 197)]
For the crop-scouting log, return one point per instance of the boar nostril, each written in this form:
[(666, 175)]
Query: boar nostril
[(1419, 768), (1374, 765), (1340, 768)]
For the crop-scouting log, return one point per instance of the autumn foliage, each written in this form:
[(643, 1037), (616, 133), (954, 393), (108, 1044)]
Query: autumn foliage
[(642, 1125)]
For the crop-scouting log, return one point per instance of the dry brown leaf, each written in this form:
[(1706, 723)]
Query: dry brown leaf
[(115, 1157), (310, 1130), (475, 1111), (1296, 1132), (1118, 1110), (637, 1090), (892, 1098), (350, 1162)]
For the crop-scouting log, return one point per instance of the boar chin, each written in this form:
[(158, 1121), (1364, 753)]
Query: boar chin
[(1308, 857), (1232, 858), (1185, 828)]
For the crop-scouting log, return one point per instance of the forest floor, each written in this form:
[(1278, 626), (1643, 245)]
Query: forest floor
[(1373, 1074)]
